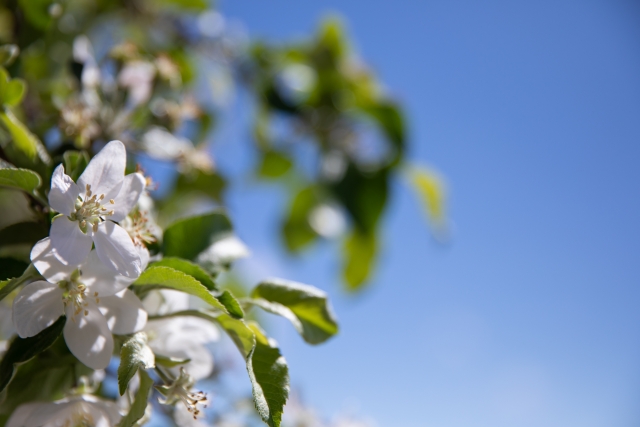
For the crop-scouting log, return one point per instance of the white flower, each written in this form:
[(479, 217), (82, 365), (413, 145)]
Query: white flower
[(182, 337), (85, 411), (180, 391), (102, 195), (94, 298), (222, 252), (137, 76)]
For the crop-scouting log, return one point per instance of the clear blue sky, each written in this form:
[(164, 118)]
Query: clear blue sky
[(531, 109)]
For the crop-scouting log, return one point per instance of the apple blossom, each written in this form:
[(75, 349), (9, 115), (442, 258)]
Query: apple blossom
[(94, 298), (183, 337), (91, 208), (84, 410)]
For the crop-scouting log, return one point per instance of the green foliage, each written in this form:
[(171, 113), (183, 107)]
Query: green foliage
[(266, 367), (189, 268), (22, 232), (202, 182), (169, 278), (430, 190), (296, 230), (306, 307), (135, 355), (11, 90), (274, 164), (188, 237), (75, 162), (9, 286), (359, 253), (21, 350), (26, 142), (21, 179), (136, 412), (8, 54), (269, 376)]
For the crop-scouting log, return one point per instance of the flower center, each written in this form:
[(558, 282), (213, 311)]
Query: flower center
[(179, 391), (138, 227), (80, 419), (90, 210), (77, 294)]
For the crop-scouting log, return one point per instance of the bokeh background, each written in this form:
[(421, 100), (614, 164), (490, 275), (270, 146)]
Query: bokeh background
[(528, 315)]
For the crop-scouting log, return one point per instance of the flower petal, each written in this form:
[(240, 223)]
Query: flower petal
[(116, 249), (88, 336), (124, 312), (71, 244), (106, 170), (32, 414), (109, 408), (100, 278), (47, 261), (132, 187), (64, 192), (36, 307)]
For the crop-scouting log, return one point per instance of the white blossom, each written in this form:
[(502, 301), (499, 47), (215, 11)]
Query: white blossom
[(137, 76), (183, 337), (84, 410), (94, 298), (91, 208)]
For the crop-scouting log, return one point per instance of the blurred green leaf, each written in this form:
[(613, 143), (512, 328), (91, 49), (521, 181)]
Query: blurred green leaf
[(139, 406), (364, 195), (22, 349), (170, 362), (23, 232), (11, 90), (359, 255), (37, 12), (135, 355), (304, 306), (188, 237), (296, 231), (207, 183), (75, 162), (23, 139), (189, 268), (429, 188), (274, 164), (22, 179), (388, 116), (8, 54)]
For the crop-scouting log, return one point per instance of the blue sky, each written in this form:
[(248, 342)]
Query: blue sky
[(529, 317)]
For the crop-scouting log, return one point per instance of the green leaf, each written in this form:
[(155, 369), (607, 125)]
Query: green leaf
[(136, 412), (274, 165), (14, 92), (22, 349), (388, 116), (22, 179), (8, 286), (23, 232), (188, 237), (135, 354), (232, 305), (209, 184), (75, 162), (269, 376), (364, 195), (267, 368), (37, 12), (23, 139), (8, 53), (306, 307), (431, 192), (170, 362), (166, 277), (296, 230), (189, 268), (359, 255)]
